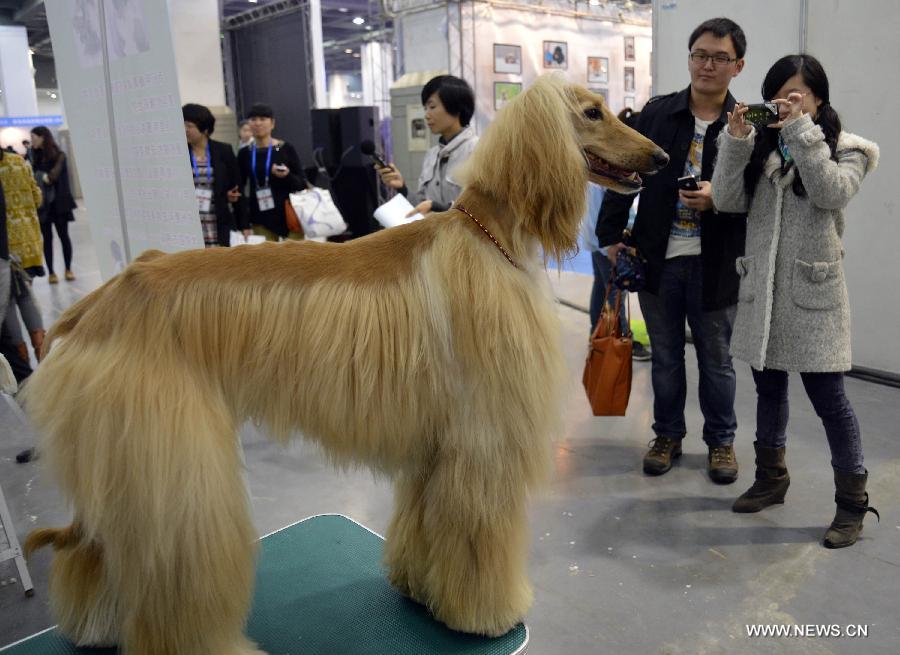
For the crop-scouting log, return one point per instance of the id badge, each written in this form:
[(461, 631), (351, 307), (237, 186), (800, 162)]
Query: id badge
[(264, 199), (204, 199)]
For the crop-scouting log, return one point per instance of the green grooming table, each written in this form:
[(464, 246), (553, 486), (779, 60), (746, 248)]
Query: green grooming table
[(321, 590)]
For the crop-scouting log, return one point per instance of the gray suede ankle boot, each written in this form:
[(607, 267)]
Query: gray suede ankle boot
[(772, 481), (852, 505)]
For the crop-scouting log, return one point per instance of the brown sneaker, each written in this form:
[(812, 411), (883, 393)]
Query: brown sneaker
[(663, 451), (722, 464)]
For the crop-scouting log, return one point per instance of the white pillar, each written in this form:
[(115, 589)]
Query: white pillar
[(198, 51), (377, 76), (16, 72), (320, 101)]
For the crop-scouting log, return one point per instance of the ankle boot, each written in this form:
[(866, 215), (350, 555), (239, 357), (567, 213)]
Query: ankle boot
[(852, 505), (772, 481)]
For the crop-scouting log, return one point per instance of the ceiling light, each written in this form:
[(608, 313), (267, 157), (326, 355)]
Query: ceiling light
[(359, 20), (53, 95), (348, 51), (368, 27), (594, 3), (356, 55), (343, 10)]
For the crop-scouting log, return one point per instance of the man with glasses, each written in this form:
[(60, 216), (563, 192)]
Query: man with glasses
[(690, 250)]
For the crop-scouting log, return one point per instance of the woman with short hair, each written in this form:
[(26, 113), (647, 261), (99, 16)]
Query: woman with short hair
[(273, 170), (217, 180), (449, 106)]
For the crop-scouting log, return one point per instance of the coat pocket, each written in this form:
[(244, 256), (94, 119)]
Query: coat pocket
[(746, 269), (819, 285)]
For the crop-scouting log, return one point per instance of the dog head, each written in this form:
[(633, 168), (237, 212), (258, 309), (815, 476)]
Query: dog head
[(538, 154), (614, 154)]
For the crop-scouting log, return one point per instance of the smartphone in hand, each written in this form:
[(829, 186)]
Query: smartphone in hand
[(688, 183)]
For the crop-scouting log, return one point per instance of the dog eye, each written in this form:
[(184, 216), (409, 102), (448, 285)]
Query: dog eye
[(593, 114)]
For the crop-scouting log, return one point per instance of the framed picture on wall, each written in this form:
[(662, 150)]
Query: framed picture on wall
[(629, 102), (556, 54), (629, 79), (505, 91), (507, 58), (598, 70), (601, 92), (629, 48)]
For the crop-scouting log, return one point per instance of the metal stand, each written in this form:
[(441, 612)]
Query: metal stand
[(13, 551)]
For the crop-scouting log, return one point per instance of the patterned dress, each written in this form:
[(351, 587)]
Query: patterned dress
[(207, 218), (23, 197)]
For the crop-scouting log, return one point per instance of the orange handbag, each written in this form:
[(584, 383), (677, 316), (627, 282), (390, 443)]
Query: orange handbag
[(607, 371), (291, 218)]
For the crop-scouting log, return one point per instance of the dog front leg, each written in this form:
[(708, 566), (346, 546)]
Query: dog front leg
[(406, 546), (476, 522)]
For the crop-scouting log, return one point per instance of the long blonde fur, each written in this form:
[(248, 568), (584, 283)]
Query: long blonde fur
[(418, 351)]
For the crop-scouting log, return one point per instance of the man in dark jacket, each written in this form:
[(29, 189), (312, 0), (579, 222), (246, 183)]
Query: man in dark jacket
[(691, 250)]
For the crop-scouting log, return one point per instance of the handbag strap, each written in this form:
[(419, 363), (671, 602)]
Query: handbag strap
[(617, 309)]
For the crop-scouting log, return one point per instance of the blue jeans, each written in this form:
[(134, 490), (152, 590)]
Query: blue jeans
[(602, 272), (680, 297), (826, 392)]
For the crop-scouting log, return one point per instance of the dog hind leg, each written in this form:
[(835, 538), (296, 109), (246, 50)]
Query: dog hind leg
[(80, 594), (177, 540), (191, 596), (82, 599)]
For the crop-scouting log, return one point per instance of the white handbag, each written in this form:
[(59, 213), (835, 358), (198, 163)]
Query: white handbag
[(317, 213)]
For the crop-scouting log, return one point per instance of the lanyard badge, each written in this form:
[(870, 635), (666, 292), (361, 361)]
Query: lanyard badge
[(263, 193), (268, 166), (204, 196)]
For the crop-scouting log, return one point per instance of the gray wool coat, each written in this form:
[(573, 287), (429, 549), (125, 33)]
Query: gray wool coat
[(793, 311)]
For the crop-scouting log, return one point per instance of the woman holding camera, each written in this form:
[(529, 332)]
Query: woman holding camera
[(794, 177), (449, 105)]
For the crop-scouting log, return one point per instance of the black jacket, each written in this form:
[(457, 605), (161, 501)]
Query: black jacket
[(668, 121), (226, 175), (282, 153), (58, 171)]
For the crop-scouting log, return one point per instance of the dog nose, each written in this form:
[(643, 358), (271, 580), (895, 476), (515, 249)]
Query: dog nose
[(661, 158)]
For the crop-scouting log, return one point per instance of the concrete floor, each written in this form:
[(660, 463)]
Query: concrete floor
[(621, 563)]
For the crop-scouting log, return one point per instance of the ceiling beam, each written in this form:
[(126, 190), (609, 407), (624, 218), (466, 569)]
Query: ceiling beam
[(26, 10)]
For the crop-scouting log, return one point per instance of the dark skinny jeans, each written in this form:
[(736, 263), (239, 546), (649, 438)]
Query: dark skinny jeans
[(826, 391)]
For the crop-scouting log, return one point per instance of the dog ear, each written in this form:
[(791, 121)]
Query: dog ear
[(530, 160)]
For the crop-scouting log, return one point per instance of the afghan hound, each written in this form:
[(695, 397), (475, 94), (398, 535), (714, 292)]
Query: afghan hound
[(429, 352)]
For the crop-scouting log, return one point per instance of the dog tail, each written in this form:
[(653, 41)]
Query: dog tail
[(59, 538)]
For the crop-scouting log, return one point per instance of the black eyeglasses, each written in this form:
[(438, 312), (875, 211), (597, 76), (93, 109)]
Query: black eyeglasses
[(718, 59)]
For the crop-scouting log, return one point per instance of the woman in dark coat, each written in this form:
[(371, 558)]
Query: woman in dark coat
[(273, 170), (216, 178), (52, 172)]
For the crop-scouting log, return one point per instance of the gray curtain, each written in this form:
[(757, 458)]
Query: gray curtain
[(270, 66)]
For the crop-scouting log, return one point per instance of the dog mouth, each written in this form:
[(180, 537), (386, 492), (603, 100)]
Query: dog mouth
[(603, 168)]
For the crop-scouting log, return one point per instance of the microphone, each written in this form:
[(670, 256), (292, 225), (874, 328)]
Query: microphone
[(368, 148)]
